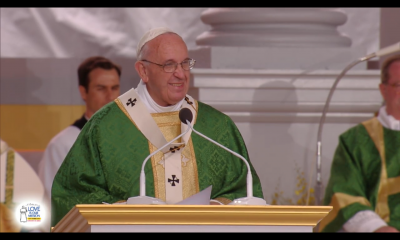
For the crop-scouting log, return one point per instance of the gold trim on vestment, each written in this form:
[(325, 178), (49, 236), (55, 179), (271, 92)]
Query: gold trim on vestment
[(9, 178), (189, 172), (338, 201), (223, 200), (121, 106), (158, 173), (375, 130), (393, 185), (170, 126)]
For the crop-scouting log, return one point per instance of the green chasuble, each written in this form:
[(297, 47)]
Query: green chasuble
[(365, 175), (104, 163)]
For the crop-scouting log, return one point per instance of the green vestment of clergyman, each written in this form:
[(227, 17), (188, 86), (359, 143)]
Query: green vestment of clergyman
[(365, 175), (104, 163)]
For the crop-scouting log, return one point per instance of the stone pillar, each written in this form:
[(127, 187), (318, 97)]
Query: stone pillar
[(389, 31), (273, 27), (277, 38)]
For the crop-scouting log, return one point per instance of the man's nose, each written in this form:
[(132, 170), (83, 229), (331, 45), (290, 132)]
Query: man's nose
[(179, 71), (110, 95)]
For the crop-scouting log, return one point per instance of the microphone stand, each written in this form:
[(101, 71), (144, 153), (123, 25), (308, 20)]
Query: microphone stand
[(382, 52), (142, 198), (249, 200)]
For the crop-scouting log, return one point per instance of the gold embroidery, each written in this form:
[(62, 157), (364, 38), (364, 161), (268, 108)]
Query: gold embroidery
[(189, 172), (9, 179), (165, 116), (121, 106), (223, 200), (393, 185), (197, 107), (170, 126), (341, 200), (158, 173), (191, 103), (375, 130)]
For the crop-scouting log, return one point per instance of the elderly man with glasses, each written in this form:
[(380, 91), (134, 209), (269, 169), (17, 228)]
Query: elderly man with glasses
[(104, 164)]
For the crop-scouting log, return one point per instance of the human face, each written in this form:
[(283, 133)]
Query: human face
[(165, 88), (391, 91), (103, 88)]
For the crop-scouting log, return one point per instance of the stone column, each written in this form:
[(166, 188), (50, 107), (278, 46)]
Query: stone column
[(389, 31), (277, 38), (273, 27)]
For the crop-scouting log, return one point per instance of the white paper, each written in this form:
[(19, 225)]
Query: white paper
[(201, 198)]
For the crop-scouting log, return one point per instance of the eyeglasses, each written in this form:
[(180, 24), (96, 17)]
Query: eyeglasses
[(171, 67), (394, 85)]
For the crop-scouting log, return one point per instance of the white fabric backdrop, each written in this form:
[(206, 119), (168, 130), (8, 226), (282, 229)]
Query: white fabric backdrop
[(115, 32)]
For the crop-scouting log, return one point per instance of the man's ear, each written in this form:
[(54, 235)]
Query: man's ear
[(82, 91), (141, 70)]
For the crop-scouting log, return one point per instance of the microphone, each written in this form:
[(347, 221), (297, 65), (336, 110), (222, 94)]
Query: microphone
[(142, 198), (382, 52), (186, 116)]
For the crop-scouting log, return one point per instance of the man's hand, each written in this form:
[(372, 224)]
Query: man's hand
[(386, 229)]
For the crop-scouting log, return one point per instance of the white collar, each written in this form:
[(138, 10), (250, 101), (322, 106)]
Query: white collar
[(388, 121), (151, 105)]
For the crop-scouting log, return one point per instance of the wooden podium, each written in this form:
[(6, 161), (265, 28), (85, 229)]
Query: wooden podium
[(191, 218)]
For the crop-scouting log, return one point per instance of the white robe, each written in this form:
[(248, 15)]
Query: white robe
[(52, 158), (26, 183), (27, 187), (54, 155)]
